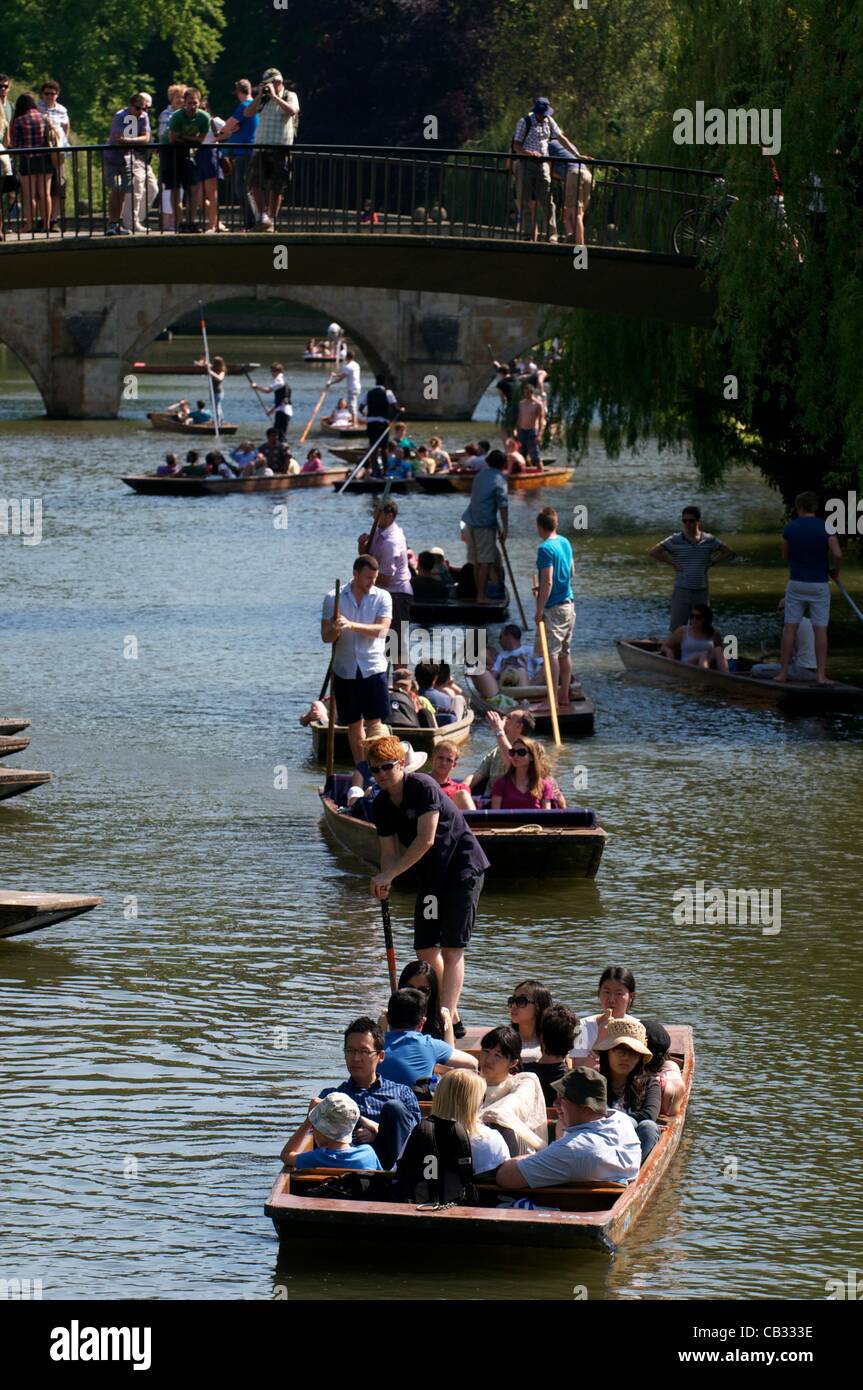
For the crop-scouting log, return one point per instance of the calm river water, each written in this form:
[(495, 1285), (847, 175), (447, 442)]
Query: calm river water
[(144, 1094)]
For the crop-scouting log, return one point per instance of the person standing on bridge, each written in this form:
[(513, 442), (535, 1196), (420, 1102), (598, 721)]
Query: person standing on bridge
[(279, 112), (238, 131), (691, 552), (187, 129), (126, 161), (533, 169)]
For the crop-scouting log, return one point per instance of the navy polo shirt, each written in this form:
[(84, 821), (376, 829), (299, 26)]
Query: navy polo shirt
[(456, 854)]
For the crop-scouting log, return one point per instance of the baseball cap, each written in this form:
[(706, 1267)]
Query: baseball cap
[(272, 75), (584, 1086)]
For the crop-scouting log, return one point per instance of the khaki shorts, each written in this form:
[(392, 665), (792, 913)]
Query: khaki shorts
[(559, 623), (578, 187), (482, 545)]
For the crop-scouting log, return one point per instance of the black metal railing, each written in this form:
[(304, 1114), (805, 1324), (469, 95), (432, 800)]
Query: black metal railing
[(94, 190)]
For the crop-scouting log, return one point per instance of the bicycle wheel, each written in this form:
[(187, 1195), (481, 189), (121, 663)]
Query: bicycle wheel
[(697, 233)]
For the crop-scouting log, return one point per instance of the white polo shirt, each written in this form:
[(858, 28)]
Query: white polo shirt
[(353, 649)]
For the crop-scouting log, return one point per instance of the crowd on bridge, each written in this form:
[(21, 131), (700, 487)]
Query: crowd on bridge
[(199, 162)]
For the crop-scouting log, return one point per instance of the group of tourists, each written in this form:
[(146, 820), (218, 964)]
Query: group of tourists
[(547, 1098), (247, 460)]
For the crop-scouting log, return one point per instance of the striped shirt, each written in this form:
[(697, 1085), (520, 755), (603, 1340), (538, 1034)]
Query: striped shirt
[(58, 116), (694, 557), (372, 1099), (277, 127)]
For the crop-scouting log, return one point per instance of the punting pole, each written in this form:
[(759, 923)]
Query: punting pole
[(331, 725), (257, 397), (521, 613), (845, 594), (365, 456), (546, 661), (209, 377), (305, 434), (388, 943)]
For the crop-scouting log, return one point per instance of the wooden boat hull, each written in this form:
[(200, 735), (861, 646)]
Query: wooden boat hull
[(9, 744), (150, 484), (642, 656), (423, 740), (600, 1215), (13, 725), (172, 425), (21, 913), (344, 431), (16, 782), (377, 485), (578, 722), (460, 612), (519, 482), (521, 852), (281, 482), (349, 453)]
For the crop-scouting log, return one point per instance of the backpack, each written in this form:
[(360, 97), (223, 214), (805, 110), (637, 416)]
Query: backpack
[(436, 1167), (402, 713), (528, 120)]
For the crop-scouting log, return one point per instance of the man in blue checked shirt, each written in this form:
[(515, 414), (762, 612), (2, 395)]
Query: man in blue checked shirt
[(388, 1109)]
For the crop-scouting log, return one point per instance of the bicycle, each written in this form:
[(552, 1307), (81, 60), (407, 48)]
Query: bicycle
[(698, 231)]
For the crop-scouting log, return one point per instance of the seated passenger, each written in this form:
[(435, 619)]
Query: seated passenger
[(458, 1097), (218, 464), (664, 1067), (418, 974), (193, 467), (804, 666), (513, 1100), (317, 713), (444, 681), (409, 1054), (513, 664), (170, 468), (341, 416), (398, 465), (698, 643), (623, 1055), (443, 760), (388, 1111), (515, 461), (180, 409), (527, 1004), (423, 464), (439, 454), (246, 453), (518, 723), (262, 470), (443, 705), (314, 462), (593, 1144), (332, 1122), (557, 1029), (426, 585), (526, 784), (200, 416), (616, 996)]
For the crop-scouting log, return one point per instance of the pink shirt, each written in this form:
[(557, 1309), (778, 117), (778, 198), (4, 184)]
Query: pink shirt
[(450, 787), (312, 466), (390, 549), (511, 799)]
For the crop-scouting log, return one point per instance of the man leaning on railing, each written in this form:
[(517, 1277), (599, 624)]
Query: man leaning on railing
[(279, 111)]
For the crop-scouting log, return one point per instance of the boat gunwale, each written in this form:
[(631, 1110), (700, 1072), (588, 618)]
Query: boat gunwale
[(762, 688)]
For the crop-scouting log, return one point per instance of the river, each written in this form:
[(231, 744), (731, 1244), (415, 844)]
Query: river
[(146, 1090)]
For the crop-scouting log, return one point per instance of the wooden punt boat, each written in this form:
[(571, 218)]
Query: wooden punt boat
[(25, 912), (9, 724), (592, 1215), (9, 744), (162, 421), (423, 740), (463, 612), (281, 482), (349, 453), (15, 782), (377, 485), (522, 845), (556, 476), (163, 486), (188, 368), (644, 657), (344, 431), (576, 722)]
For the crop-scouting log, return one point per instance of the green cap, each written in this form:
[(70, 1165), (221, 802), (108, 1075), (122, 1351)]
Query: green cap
[(584, 1086)]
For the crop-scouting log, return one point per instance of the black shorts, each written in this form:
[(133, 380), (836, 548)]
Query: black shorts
[(176, 167), (445, 917), (364, 697)]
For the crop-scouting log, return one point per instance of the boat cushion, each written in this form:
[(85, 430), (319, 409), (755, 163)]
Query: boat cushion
[(572, 816)]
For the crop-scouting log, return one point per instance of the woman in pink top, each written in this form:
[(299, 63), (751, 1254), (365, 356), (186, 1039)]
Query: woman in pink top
[(313, 463), (526, 784)]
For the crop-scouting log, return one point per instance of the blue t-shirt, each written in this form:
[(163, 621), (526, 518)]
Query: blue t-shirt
[(807, 549), (200, 417), (245, 135), (556, 554), (410, 1056), (357, 1156)]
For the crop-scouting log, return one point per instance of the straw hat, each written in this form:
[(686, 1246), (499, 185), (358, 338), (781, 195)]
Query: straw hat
[(625, 1032), (413, 759)]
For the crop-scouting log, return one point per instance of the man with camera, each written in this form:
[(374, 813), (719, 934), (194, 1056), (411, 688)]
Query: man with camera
[(278, 109)]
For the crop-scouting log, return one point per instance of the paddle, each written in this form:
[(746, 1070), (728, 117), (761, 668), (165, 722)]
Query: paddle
[(305, 434), (525, 624), (546, 661), (845, 594), (365, 456), (331, 726), (377, 516), (209, 374), (388, 943)]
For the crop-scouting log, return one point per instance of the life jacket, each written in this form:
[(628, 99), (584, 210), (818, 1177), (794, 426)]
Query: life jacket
[(436, 1166)]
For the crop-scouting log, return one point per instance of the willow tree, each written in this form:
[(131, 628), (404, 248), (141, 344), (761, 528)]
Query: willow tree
[(777, 381)]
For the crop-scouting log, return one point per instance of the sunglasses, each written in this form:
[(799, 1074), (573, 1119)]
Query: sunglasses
[(518, 1001), (383, 767), (518, 753)]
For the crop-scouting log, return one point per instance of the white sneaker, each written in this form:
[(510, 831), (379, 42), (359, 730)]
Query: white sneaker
[(265, 222)]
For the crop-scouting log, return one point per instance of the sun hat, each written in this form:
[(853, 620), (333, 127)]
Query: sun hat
[(272, 75), (625, 1032), (414, 760), (584, 1086), (543, 107), (436, 550), (336, 1116)]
